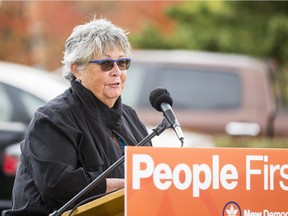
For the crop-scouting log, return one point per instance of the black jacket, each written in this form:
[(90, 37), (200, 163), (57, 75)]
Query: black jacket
[(68, 144)]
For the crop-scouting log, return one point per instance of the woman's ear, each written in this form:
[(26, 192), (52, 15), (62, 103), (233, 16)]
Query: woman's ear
[(74, 70)]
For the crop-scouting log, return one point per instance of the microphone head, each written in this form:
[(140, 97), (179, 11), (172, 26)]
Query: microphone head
[(159, 96)]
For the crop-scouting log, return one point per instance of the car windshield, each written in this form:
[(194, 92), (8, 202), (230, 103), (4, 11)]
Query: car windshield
[(190, 88), (17, 105)]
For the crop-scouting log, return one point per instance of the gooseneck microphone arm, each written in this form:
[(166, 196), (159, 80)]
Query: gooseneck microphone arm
[(156, 131)]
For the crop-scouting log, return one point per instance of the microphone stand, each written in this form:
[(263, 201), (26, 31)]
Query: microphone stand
[(156, 131)]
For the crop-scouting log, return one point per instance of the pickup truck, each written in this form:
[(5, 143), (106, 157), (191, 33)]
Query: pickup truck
[(213, 93)]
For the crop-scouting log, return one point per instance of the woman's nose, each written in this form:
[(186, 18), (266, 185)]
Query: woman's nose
[(116, 70)]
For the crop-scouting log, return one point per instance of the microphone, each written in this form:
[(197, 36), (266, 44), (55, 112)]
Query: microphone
[(161, 100)]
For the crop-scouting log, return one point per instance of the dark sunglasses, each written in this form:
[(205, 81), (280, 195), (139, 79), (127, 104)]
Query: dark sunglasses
[(108, 64)]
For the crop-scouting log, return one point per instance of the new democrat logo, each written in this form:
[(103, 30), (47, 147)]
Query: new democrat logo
[(231, 209)]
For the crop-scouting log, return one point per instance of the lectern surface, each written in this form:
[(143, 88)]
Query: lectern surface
[(109, 205)]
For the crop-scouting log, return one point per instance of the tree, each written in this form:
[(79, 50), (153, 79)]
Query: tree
[(256, 28)]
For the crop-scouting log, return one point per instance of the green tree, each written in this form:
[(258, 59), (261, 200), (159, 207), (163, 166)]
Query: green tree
[(257, 28)]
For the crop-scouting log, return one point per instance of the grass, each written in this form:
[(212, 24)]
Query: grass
[(244, 142)]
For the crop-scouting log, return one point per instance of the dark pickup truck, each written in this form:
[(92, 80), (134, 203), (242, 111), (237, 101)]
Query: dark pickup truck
[(213, 93)]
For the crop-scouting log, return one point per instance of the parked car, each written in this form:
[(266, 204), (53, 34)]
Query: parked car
[(213, 93), (22, 90)]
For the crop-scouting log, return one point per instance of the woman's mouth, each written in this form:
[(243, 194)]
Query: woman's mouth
[(114, 85)]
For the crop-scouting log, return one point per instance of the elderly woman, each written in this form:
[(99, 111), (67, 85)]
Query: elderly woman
[(79, 134)]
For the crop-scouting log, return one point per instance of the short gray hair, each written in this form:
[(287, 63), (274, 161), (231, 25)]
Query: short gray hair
[(90, 40)]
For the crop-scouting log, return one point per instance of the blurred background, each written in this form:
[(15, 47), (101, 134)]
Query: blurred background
[(237, 101), (34, 32)]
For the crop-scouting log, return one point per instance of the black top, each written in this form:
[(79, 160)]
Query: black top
[(67, 145)]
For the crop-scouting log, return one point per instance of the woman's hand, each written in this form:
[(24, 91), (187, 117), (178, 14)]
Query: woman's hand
[(114, 184)]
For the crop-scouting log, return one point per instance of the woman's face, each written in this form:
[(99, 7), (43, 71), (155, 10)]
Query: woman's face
[(107, 86)]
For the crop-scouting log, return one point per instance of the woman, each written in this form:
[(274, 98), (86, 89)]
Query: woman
[(79, 134)]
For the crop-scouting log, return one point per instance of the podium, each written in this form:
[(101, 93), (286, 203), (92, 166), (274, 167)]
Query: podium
[(109, 205)]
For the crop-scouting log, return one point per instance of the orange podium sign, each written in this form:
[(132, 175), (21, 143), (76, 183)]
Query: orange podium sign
[(206, 181)]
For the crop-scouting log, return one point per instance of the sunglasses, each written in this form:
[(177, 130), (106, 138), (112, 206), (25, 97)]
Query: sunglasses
[(108, 64)]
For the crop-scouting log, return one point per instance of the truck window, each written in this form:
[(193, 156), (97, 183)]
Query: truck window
[(190, 88), (202, 89)]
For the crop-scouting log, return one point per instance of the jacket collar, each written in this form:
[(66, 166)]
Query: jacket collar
[(95, 108)]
